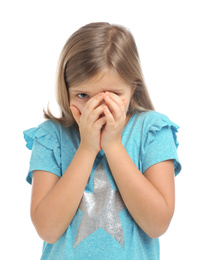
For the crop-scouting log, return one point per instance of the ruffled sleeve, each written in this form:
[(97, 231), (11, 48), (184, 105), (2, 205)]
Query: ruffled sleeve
[(45, 149), (161, 143)]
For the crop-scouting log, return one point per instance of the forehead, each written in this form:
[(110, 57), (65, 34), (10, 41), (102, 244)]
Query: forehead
[(106, 80)]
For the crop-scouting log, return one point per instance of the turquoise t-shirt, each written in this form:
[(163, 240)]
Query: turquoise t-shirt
[(102, 227)]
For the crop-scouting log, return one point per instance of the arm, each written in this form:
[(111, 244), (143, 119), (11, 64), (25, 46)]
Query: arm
[(149, 197), (55, 201)]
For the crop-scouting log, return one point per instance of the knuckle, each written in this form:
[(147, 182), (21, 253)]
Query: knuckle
[(89, 106), (94, 112), (111, 121)]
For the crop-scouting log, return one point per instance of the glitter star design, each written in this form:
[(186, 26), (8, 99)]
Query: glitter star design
[(100, 209)]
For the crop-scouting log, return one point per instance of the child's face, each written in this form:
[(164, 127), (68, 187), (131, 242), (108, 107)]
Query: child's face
[(105, 81)]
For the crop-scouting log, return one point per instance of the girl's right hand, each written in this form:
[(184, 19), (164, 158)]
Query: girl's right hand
[(90, 123)]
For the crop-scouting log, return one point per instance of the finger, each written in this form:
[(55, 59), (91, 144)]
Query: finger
[(100, 122), (115, 105), (92, 104), (114, 97), (109, 115), (76, 113), (96, 114)]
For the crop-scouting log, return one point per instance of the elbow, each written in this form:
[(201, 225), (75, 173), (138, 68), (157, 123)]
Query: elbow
[(158, 229), (161, 223), (46, 234), (45, 231), (48, 237), (158, 226), (50, 240)]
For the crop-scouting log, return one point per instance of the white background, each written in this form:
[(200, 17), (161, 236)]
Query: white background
[(169, 36)]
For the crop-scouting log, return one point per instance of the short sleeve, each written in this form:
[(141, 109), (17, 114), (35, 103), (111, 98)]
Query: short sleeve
[(45, 151), (161, 144)]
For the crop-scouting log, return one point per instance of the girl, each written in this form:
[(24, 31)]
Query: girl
[(103, 173)]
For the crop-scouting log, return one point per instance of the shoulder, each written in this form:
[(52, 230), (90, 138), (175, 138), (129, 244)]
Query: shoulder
[(149, 124), (151, 120), (156, 126), (159, 139), (56, 130), (150, 117), (48, 133), (50, 127)]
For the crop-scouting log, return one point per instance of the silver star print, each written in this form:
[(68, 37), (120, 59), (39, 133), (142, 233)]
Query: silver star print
[(100, 209)]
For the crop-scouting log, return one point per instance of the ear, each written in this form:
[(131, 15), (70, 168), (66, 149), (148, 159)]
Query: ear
[(76, 113)]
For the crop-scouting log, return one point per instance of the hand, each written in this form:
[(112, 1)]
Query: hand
[(115, 113), (90, 122)]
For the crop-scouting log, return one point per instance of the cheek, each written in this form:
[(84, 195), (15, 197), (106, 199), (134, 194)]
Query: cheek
[(128, 98), (127, 107)]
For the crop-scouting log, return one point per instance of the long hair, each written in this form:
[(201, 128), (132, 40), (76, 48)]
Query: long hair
[(91, 49)]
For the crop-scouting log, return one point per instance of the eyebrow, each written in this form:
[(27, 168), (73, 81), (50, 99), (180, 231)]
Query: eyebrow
[(75, 90)]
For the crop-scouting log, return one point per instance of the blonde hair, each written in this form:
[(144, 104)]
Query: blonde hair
[(91, 49)]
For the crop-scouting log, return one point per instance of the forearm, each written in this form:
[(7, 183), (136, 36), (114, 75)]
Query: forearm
[(57, 209), (144, 202)]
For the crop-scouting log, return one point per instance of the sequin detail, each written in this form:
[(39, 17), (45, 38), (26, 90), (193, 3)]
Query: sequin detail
[(100, 209)]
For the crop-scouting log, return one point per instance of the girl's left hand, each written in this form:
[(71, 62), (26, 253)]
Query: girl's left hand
[(115, 112)]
